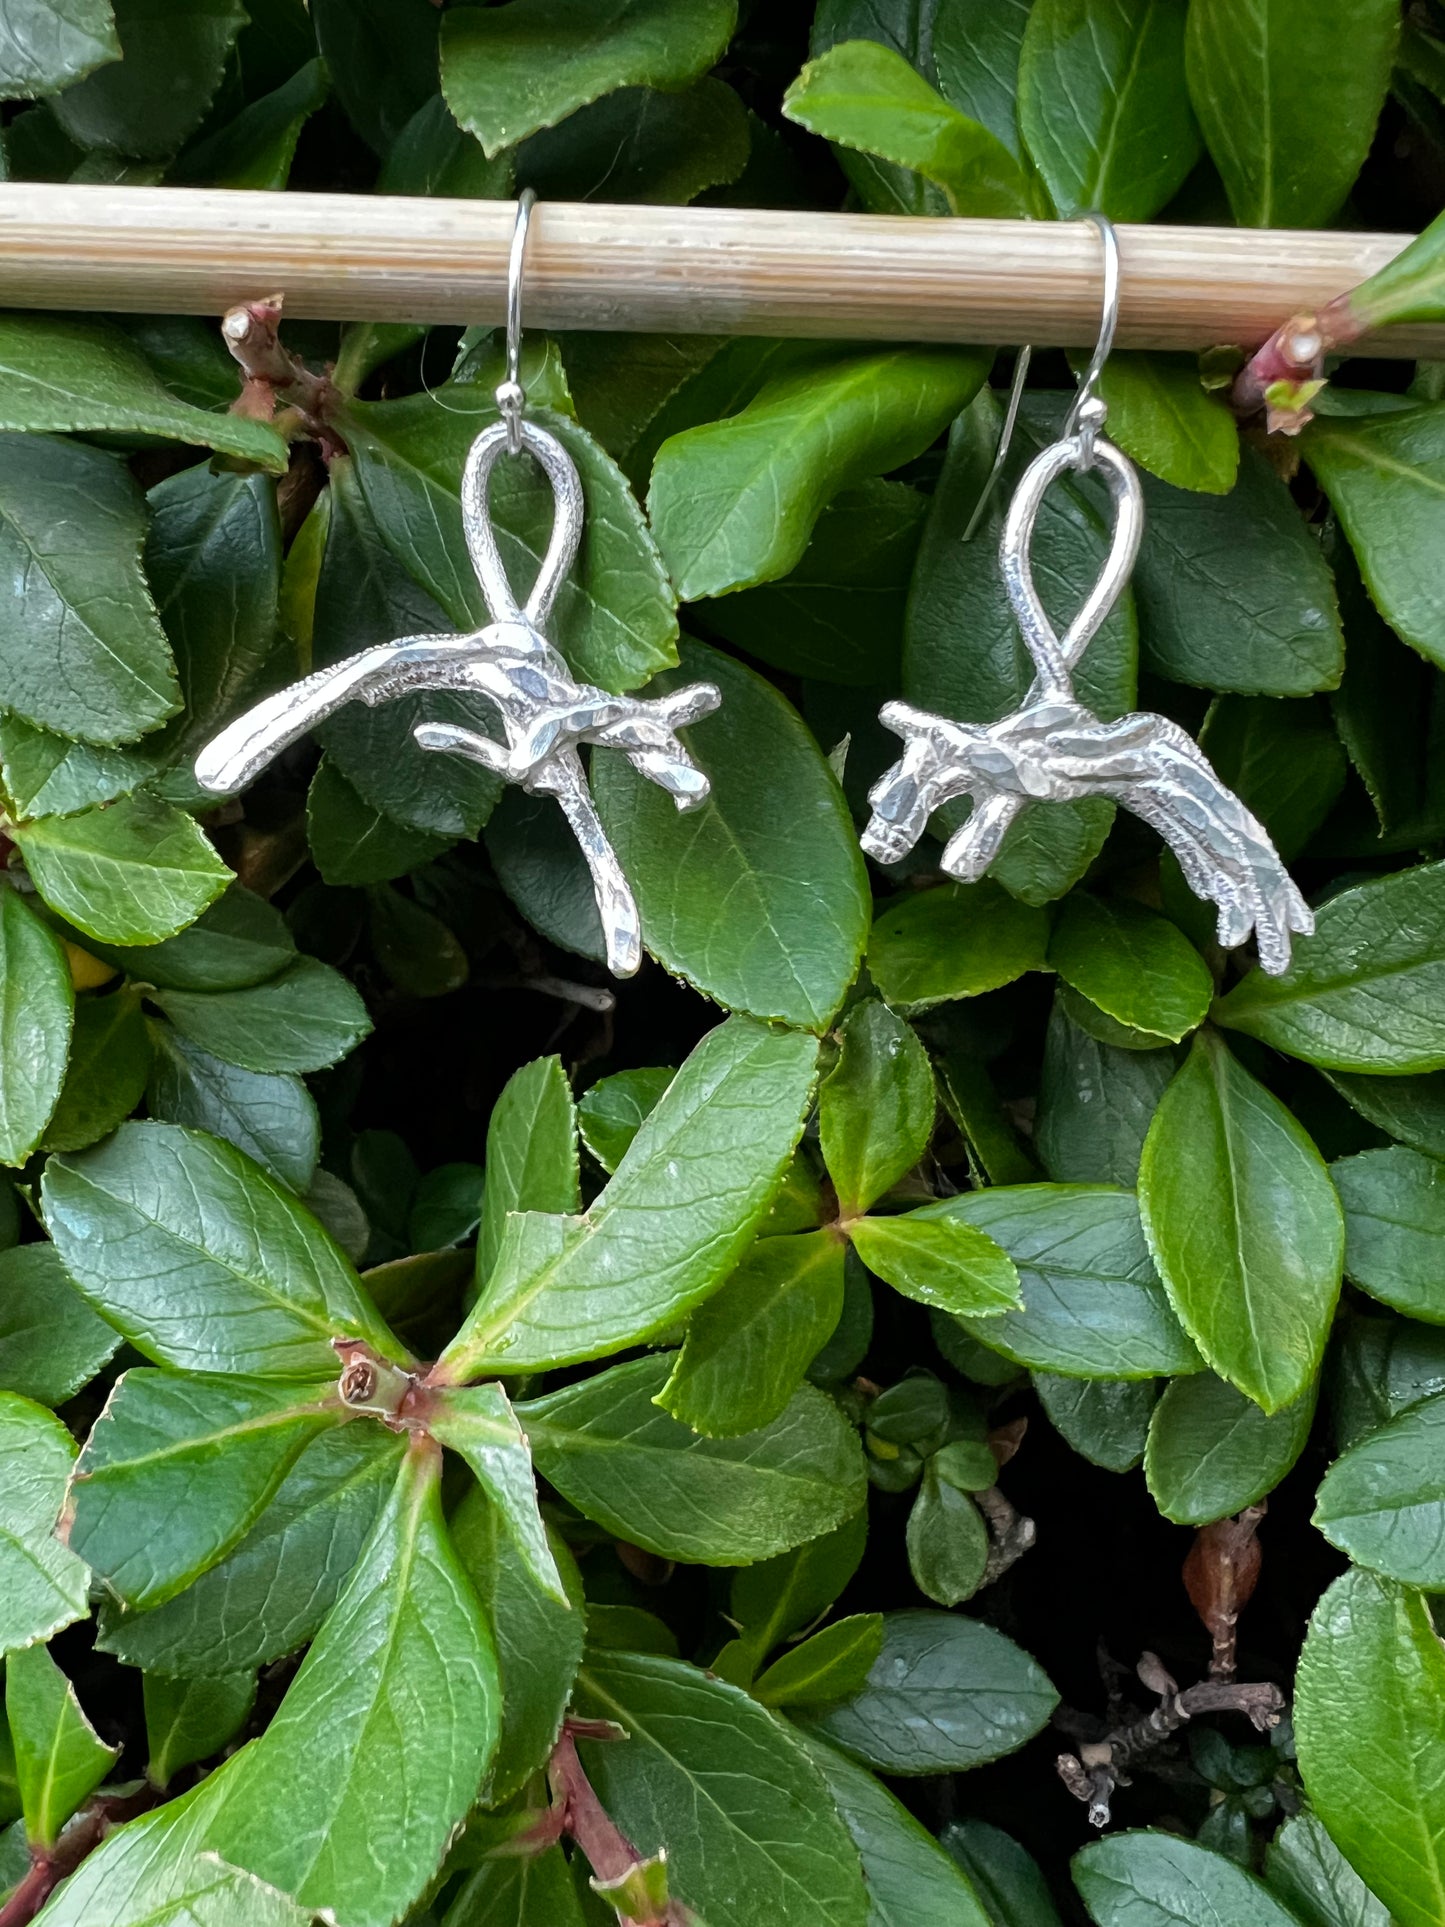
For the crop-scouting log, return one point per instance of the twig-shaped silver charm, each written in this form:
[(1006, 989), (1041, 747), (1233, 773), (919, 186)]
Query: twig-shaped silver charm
[(1053, 749), (545, 714)]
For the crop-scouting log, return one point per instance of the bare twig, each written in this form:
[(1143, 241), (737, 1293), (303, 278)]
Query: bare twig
[(1220, 1576), (278, 385), (1010, 1533)]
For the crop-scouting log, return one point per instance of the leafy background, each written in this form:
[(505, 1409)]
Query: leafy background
[(888, 1247)]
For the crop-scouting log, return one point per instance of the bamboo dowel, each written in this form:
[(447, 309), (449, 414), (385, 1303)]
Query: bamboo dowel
[(670, 270)]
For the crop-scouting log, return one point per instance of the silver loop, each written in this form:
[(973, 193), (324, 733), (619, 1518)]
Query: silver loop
[(1077, 421), (557, 465), (511, 396)]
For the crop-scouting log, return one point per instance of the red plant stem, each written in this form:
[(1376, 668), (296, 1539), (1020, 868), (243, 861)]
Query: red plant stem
[(81, 1837), (608, 1849)]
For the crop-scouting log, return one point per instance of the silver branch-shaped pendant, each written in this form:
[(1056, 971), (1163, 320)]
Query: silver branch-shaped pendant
[(545, 714), (1054, 749)]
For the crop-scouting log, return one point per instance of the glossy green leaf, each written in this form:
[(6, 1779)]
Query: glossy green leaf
[(110, 1057), (1383, 1502), (759, 895), (37, 1004), (257, 148), (1105, 1420), (478, 1423), (272, 1593), (669, 1227), (538, 1639), (781, 1596), (1093, 1304), (1408, 287), (748, 1346), (271, 1116), (239, 941), (865, 96), (176, 1470), (382, 56), (1288, 94), (48, 775), (201, 1260), (1212, 1451), (1364, 993), (1135, 965), (59, 1757), (501, 92), (65, 375), (1244, 1225), (945, 1694), (1283, 761), (734, 502), (353, 843), (947, 1540), (531, 1154), (135, 871), (940, 1261), (642, 144), (44, 47), (959, 940), (51, 1342), (192, 1719), (1013, 1890), (371, 1792), (542, 870), (1095, 1104), (533, 1892), (610, 1451), (1308, 1872), (611, 1112), (727, 1788), (85, 653), (1103, 104), (1369, 1719), (1394, 1204), (146, 103), (1161, 416), (876, 1107), (831, 1665), (43, 1586), (1158, 1880), (302, 1019)]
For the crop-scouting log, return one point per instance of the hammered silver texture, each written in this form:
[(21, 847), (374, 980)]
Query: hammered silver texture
[(545, 714)]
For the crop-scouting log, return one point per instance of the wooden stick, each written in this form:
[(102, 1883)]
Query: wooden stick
[(670, 270)]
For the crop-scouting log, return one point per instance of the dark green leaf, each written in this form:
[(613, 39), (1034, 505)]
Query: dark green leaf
[(146, 103), (354, 843), (59, 1757), (940, 1261), (1212, 1451), (1161, 415), (110, 1058), (831, 1665), (239, 941), (959, 940), (44, 47), (302, 1019), (1244, 1225), (191, 1719), (639, 144), (1135, 965), (1383, 1365), (51, 1342), (783, 1595), (132, 872), (201, 1260), (1282, 760), (1158, 1880), (43, 1586), (1394, 1204), (1014, 1892), (539, 865), (256, 149), (1106, 1420), (271, 1116), (613, 1454), (382, 56), (533, 1892), (1095, 1104), (947, 1540), (1383, 1502), (1318, 1885), (37, 1004), (531, 1154), (416, 950), (611, 1112), (477, 1421)]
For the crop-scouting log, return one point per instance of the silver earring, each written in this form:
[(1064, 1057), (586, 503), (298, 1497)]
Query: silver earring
[(545, 714), (1053, 749)]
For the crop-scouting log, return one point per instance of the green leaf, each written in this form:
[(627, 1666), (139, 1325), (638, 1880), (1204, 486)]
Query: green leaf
[(639, 144), (347, 1759), (37, 1004), (831, 1665), (539, 865), (1284, 761), (539, 1641), (1095, 1104), (1135, 965), (1385, 477), (612, 1111), (613, 1454), (415, 949), (239, 941), (748, 1346), (1160, 414), (533, 1892), (59, 1757), (1308, 1872), (500, 91), (940, 1261), (174, 52), (382, 57), (1408, 287), (110, 1057), (734, 502), (1370, 1723), (669, 1227), (135, 871), (759, 895), (85, 653), (65, 376), (1232, 589), (478, 1422), (1394, 1202), (721, 1783), (1364, 993), (1158, 1880), (1105, 1420), (910, 1879), (45, 47), (947, 1540), (866, 96), (958, 940), (176, 1471), (876, 1107), (257, 148), (1014, 1892), (781, 1596), (1244, 1225), (945, 1694), (531, 1154), (48, 775), (1212, 1451), (1288, 99), (51, 1342), (43, 1586), (303, 1019), (1103, 105), (201, 1260), (1383, 1502), (1093, 1304), (271, 1116), (272, 1593), (1385, 1365), (188, 1720), (353, 843)]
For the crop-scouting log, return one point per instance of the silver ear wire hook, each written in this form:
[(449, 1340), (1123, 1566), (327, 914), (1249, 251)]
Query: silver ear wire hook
[(511, 395), (1089, 411)]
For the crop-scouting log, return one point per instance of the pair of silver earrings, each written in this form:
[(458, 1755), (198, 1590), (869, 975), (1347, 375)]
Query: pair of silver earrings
[(1050, 749)]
